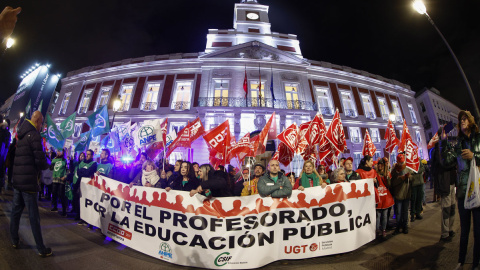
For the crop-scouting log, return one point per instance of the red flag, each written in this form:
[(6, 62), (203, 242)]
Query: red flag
[(196, 129), (245, 83), (262, 137), (215, 158), (163, 126), (325, 151), (411, 156), (405, 137), (253, 146), (289, 137), (219, 137), (390, 138), (316, 130), (368, 146), (283, 154), (302, 137), (309, 153), (182, 140), (272, 133), (433, 141), (336, 135), (240, 149)]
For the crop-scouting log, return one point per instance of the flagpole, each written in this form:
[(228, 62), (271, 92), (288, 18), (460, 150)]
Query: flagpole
[(260, 85)]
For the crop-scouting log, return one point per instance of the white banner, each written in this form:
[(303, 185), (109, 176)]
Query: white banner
[(234, 232)]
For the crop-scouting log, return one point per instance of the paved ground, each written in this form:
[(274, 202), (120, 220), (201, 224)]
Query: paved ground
[(76, 247)]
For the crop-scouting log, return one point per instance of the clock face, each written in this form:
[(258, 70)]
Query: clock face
[(252, 16)]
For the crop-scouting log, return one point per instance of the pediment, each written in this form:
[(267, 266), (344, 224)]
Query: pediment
[(255, 50)]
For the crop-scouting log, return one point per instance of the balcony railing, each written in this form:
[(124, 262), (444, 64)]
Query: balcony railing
[(350, 113), (398, 119), (370, 115), (148, 106), (326, 110), (265, 102), (123, 107), (385, 116), (180, 105), (376, 139), (82, 110), (356, 139)]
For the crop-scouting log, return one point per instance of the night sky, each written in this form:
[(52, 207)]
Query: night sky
[(382, 37)]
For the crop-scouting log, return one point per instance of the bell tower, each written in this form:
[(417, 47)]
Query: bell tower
[(251, 17)]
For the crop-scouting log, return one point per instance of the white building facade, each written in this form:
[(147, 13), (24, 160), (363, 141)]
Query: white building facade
[(209, 85)]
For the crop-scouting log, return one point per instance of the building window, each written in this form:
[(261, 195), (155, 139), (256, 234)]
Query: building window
[(177, 126), (291, 92), (376, 156), (412, 113), (368, 106), (78, 130), (257, 94), (103, 99), (357, 157), (355, 136), (324, 102), (221, 93), (397, 111), (423, 106), (393, 157), (125, 97), (66, 99), (418, 136), (87, 95), (348, 104), (150, 97), (420, 153), (383, 108), (182, 97), (375, 135)]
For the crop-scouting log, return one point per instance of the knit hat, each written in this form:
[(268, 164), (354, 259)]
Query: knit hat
[(400, 158)]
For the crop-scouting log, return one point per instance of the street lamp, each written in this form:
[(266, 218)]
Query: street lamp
[(420, 8), (10, 42), (21, 114), (392, 117), (116, 106)]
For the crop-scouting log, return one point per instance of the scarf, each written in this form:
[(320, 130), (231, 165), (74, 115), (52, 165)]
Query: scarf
[(305, 180), (151, 177)]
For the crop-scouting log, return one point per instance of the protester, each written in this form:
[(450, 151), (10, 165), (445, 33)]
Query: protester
[(187, 180), (175, 175), (59, 168), (86, 168), (76, 185), (274, 183), (4, 145), (385, 199), (238, 184), (417, 193), (309, 177), (365, 168), (339, 175), (351, 175), (291, 178), (401, 193), (106, 166), (29, 161), (251, 187), (211, 185), (461, 154), (195, 168), (323, 173), (9, 161), (137, 166), (149, 176)]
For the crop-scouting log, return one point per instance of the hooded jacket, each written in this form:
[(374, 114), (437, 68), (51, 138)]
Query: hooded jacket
[(30, 159), (266, 186), (400, 182)]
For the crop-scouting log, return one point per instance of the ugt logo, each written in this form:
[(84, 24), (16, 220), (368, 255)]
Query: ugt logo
[(100, 121), (145, 134)]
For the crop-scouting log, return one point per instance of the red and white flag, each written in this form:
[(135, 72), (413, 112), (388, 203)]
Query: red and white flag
[(411, 156), (253, 146), (433, 141), (196, 129), (245, 83), (316, 131), (390, 138), (182, 140), (283, 154), (336, 135), (263, 136), (240, 149), (325, 151), (368, 146), (289, 137), (219, 138), (405, 137), (309, 153), (302, 141)]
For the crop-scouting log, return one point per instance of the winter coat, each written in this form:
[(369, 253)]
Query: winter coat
[(417, 178), (216, 184), (353, 176), (30, 159), (266, 186), (253, 187), (161, 183), (400, 182), (192, 183), (367, 172)]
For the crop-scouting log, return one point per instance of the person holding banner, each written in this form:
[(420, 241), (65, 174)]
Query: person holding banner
[(339, 175), (187, 180), (401, 193), (351, 174), (323, 173), (76, 185), (274, 184), (105, 167), (251, 187), (149, 176), (365, 168), (137, 166), (309, 177), (464, 153), (59, 168), (86, 168), (212, 185), (175, 174)]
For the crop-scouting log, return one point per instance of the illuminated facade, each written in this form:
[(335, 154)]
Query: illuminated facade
[(209, 85)]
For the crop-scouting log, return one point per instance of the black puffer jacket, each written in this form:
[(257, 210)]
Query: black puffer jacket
[(30, 159)]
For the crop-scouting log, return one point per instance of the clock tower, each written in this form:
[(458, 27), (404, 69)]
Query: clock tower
[(251, 23)]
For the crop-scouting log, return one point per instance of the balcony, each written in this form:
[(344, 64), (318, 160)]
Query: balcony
[(350, 113), (149, 106), (356, 139), (385, 116), (82, 110), (123, 107), (370, 115), (398, 119), (326, 110), (265, 102), (180, 105)]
